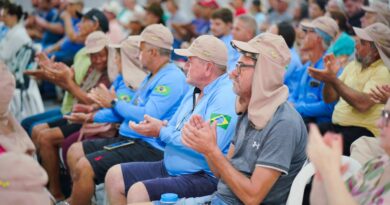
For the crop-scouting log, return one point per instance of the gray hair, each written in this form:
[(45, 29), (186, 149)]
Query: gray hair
[(249, 22), (161, 51), (222, 68)]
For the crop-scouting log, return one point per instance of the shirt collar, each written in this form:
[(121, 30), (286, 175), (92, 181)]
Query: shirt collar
[(376, 63), (213, 84)]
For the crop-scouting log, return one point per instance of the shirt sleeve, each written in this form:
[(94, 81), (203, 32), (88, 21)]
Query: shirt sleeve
[(169, 134), (162, 99), (107, 115), (316, 109), (380, 77), (220, 109), (10, 45), (223, 112), (279, 147)]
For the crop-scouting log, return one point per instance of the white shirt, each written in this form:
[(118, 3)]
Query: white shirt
[(15, 38)]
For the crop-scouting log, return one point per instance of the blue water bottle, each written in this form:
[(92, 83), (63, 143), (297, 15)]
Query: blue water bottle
[(168, 198)]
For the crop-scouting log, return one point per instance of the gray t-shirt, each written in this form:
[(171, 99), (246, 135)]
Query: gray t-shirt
[(280, 145)]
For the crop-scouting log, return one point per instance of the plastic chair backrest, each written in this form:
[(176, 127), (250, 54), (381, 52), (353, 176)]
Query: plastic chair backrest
[(303, 177)]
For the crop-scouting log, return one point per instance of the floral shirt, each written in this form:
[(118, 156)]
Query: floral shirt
[(371, 185)]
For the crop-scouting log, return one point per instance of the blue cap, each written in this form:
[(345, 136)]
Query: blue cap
[(169, 198)]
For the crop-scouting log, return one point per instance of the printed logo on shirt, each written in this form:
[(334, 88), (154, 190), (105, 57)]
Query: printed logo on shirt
[(4, 184), (124, 97), (223, 121), (255, 144), (163, 90)]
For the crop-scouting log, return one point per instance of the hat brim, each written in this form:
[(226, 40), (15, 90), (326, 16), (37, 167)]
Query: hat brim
[(115, 45), (151, 43), (384, 57), (369, 9), (244, 46), (308, 25), (94, 49), (183, 52), (362, 34), (75, 2)]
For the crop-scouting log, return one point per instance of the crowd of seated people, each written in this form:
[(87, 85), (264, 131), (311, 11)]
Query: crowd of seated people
[(219, 102)]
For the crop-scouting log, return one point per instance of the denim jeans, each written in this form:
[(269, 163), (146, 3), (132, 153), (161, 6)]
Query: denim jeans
[(49, 116)]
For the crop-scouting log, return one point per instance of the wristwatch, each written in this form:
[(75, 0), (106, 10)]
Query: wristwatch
[(113, 102)]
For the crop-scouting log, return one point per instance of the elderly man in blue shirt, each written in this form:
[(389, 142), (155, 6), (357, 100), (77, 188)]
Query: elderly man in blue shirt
[(159, 96), (183, 170), (307, 97)]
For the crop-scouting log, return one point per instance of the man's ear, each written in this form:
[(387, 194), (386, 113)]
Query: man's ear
[(154, 51), (96, 26), (209, 68)]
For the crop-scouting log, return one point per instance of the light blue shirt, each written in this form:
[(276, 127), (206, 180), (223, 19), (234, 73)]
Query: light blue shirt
[(123, 93), (233, 54), (309, 99), (217, 103), (293, 73), (158, 96)]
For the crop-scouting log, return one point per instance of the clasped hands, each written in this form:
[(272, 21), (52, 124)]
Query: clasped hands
[(57, 73), (84, 113), (197, 134), (81, 113), (102, 96), (329, 73)]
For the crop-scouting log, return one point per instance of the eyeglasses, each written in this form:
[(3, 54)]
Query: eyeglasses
[(241, 65), (385, 117)]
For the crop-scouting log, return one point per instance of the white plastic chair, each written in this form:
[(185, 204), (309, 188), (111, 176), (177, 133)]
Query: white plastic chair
[(298, 186)]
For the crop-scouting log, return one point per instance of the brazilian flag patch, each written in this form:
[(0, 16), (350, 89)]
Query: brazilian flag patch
[(223, 121), (124, 97), (163, 90)]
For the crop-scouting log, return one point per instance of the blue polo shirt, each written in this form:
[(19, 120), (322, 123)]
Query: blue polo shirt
[(158, 96), (309, 100), (123, 93), (233, 54), (70, 46), (49, 38), (217, 103), (293, 73)]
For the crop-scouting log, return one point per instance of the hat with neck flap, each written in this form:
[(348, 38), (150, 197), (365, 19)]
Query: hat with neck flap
[(268, 90)]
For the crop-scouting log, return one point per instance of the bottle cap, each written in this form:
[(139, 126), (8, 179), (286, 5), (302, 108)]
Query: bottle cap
[(169, 198)]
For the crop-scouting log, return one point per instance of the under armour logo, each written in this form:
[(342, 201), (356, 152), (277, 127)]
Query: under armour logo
[(255, 144)]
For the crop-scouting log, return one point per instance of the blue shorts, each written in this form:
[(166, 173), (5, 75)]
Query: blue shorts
[(157, 180), (215, 200)]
